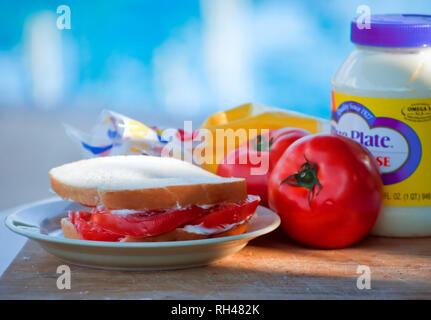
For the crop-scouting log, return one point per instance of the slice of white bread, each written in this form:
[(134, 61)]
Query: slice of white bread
[(142, 182), (178, 234)]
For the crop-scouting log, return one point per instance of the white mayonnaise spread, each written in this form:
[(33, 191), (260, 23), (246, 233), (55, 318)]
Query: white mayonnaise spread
[(127, 211), (200, 229)]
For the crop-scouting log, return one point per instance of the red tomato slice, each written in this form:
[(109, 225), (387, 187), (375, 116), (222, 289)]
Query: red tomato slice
[(89, 230), (228, 214), (146, 224), (106, 226)]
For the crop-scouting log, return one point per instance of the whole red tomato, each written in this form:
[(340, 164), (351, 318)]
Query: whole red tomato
[(270, 145), (327, 190)]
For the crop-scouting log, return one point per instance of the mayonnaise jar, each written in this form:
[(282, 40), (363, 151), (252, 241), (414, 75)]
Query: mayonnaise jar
[(381, 97)]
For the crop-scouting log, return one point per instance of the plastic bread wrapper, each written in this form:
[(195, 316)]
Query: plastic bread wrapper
[(116, 134)]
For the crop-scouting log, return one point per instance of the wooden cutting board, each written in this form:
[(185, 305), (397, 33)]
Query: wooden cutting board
[(270, 267)]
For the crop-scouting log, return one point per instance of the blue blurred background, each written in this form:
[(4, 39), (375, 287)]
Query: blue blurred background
[(161, 62), (186, 57)]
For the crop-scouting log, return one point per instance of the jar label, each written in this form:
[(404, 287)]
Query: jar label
[(398, 134)]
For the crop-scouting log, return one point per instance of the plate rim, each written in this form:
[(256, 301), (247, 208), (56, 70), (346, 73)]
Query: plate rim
[(8, 221)]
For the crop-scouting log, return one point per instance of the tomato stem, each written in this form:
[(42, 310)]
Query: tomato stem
[(262, 144), (306, 177)]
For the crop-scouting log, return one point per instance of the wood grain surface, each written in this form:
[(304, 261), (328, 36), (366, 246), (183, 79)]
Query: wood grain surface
[(270, 267)]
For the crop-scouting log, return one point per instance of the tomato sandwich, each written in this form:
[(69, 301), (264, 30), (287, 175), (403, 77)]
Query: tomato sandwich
[(145, 198)]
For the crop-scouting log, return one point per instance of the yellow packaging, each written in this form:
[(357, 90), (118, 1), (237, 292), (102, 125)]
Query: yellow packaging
[(230, 129), (398, 134)]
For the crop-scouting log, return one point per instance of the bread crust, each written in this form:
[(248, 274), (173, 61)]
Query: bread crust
[(69, 231), (86, 196), (155, 198)]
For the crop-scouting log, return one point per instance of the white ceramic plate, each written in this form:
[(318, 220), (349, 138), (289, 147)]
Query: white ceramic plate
[(40, 221)]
